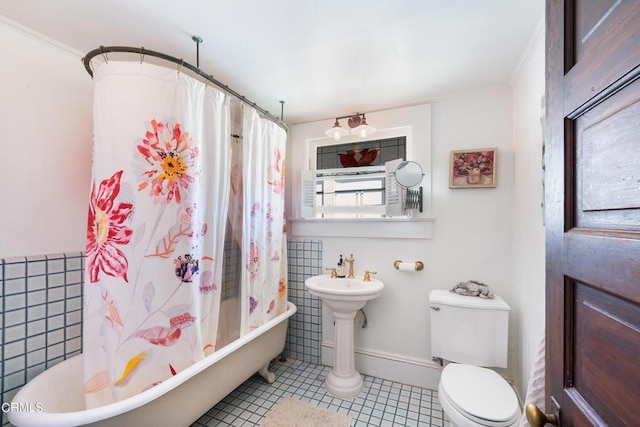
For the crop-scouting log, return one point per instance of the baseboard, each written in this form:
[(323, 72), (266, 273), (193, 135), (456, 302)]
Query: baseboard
[(394, 367)]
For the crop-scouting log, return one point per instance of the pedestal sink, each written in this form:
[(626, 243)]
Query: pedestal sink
[(344, 297)]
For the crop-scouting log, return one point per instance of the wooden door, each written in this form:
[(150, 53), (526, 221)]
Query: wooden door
[(593, 211)]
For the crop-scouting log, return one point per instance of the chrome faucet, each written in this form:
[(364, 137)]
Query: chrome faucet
[(350, 261)]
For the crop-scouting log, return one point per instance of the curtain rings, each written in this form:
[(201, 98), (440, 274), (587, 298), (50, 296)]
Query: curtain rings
[(104, 54), (208, 79), (141, 54), (180, 65)]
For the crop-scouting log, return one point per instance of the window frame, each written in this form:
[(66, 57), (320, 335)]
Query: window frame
[(353, 212)]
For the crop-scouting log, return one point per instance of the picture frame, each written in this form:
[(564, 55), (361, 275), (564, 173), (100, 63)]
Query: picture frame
[(473, 168)]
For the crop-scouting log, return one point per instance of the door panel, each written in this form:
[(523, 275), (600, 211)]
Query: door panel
[(606, 327), (594, 20), (593, 210), (605, 62), (606, 180)]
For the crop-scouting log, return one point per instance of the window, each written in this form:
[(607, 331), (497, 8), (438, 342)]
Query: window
[(337, 156), (354, 180)]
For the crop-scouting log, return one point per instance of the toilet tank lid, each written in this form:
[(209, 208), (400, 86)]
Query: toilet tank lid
[(445, 297)]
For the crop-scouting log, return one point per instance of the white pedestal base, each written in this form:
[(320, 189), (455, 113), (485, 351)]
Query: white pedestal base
[(344, 387), (344, 381)]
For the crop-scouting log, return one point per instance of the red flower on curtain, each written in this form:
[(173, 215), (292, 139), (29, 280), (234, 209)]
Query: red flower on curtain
[(253, 261), (275, 173), (170, 160), (106, 229), (282, 288)]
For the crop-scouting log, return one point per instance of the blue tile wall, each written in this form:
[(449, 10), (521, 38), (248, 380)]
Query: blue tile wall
[(304, 336), (231, 269), (41, 303)]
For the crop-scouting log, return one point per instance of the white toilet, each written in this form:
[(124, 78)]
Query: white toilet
[(473, 333)]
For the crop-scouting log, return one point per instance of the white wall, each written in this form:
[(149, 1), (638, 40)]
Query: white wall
[(46, 122), (528, 228), (472, 237)]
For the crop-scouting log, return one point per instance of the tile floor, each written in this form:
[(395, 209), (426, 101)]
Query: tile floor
[(382, 402)]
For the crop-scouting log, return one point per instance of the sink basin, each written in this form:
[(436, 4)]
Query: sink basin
[(344, 297), (344, 289)]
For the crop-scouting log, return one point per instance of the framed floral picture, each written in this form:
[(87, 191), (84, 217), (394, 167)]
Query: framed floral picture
[(475, 168)]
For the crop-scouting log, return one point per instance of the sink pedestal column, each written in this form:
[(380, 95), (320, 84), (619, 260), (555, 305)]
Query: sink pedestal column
[(344, 381), (344, 297)]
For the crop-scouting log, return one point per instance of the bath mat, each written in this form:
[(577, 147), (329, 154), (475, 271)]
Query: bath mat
[(291, 412)]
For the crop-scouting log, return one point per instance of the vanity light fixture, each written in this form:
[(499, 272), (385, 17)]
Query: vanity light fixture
[(336, 132), (358, 124)]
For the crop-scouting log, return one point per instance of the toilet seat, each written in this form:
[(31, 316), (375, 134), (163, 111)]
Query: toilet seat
[(478, 394)]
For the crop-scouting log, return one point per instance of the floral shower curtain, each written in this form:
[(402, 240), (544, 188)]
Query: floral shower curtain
[(155, 232), (263, 232)]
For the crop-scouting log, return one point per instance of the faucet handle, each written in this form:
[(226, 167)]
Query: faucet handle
[(367, 277), (333, 272)]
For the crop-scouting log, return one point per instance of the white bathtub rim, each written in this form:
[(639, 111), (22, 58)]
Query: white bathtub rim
[(87, 416)]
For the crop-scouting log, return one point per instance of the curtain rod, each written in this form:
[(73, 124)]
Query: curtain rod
[(103, 50)]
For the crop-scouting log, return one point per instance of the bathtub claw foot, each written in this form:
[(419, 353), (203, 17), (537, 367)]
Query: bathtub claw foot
[(269, 376)]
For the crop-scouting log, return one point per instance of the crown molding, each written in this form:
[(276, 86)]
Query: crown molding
[(39, 37), (536, 38)]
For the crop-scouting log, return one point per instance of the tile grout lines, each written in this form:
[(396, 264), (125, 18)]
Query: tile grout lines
[(382, 402)]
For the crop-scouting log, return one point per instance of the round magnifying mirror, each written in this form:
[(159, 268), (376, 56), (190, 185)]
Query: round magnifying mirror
[(409, 174)]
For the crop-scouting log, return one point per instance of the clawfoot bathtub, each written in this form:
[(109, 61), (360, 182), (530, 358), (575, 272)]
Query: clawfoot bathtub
[(56, 398)]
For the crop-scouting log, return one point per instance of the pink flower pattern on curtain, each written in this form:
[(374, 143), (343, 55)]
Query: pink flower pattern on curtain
[(264, 219), (155, 231), (107, 228)]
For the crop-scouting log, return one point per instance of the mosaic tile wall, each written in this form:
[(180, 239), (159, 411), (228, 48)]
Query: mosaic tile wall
[(231, 270), (41, 302), (304, 336)]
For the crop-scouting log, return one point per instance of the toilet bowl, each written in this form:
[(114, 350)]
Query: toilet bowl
[(472, 396), (472, 333)]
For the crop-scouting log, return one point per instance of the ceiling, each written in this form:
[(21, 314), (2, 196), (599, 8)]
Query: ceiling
[(323, 58)]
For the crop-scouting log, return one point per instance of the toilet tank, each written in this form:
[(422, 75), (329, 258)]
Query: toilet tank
[(468, 329)]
